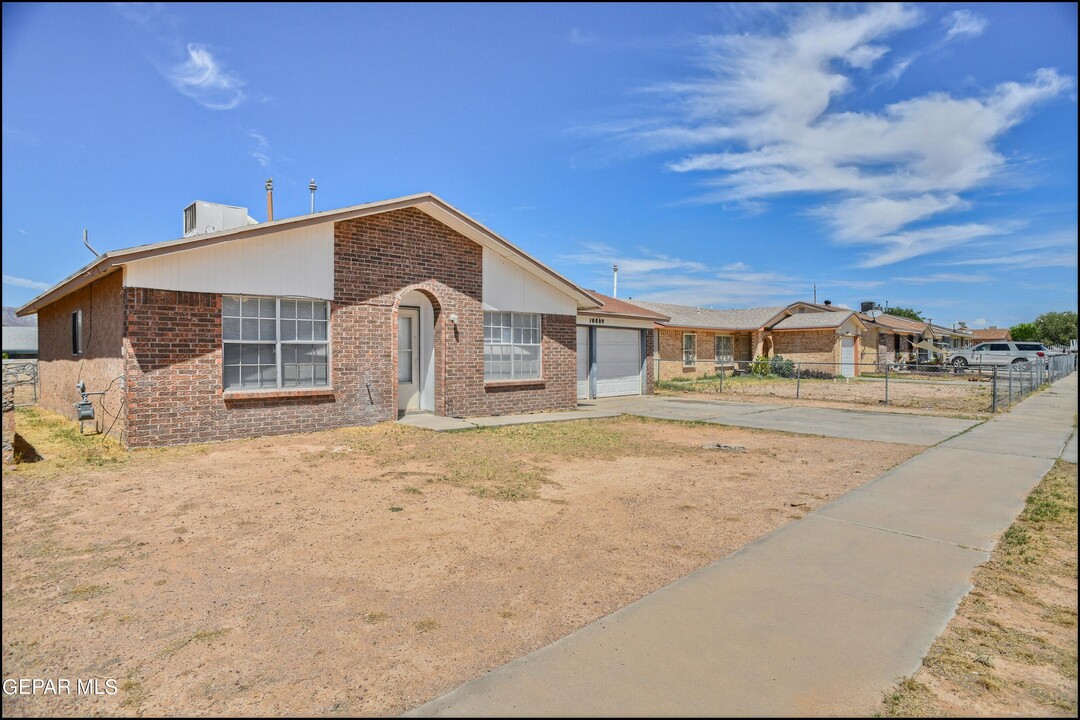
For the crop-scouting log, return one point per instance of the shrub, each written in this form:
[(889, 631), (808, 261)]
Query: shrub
[(812, 374), (760, 366), (782, 368)]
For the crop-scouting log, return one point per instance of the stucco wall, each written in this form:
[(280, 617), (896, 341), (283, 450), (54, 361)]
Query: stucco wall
[(100, 366)]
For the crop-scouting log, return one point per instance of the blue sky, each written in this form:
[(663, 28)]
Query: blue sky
[(722, 155)]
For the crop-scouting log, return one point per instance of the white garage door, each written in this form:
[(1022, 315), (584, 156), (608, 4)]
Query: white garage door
[(618, 362), (583, 363)]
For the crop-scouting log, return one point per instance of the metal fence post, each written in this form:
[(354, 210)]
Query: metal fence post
[(993, 390), (798, 379), (720, 384), (1010, 384), (886, 383)]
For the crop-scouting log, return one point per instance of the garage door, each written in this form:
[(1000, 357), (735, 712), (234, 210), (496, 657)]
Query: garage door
[(582, 363), (618, 362)]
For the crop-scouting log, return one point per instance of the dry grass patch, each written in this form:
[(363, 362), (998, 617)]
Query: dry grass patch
[(1012, 647), (502, 541)]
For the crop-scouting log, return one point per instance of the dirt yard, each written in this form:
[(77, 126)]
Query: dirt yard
[(970, 398), (1010, 651), (365, 571)]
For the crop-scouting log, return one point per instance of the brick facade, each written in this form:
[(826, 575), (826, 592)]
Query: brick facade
[(671, 361), (173, 345), (810, 346), (100, 365)]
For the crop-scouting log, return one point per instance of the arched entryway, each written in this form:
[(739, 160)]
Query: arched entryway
[(414, 344)]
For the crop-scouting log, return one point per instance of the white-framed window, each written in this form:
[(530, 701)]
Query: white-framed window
[(725, 349), (512, 344), (689, 349), (76, 332), (271, 342)]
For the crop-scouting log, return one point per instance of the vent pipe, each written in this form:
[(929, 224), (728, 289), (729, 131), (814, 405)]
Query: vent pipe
[(86, 242), (270, 200), (312, 187), (615, 282)]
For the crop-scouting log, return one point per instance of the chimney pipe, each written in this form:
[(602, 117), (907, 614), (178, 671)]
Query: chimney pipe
[(312, 187), (270, 200), (615, 283)]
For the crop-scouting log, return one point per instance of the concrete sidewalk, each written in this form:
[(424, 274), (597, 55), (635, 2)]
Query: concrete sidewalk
[(821, 617)]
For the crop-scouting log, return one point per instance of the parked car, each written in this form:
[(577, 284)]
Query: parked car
[(999, 353)]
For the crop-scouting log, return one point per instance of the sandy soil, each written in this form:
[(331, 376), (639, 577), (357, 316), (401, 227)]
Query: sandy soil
[(937, 397), (366, 571)]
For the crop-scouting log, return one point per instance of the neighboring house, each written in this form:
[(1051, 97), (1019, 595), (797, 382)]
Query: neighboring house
[(989, 334), (700, 341), (830, 341), (20, 342), (614, 343), (340, 318), (897, 337)]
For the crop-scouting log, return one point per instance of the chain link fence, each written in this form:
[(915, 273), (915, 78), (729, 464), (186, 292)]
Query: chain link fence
[(933, 386)]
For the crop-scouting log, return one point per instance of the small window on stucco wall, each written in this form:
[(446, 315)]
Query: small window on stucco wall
[(76, 332)]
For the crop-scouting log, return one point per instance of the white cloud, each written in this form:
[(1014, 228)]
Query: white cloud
[(577, 36), (963, 23), (24, 283), (945, 278), (261, 151), (762, 123), (913, 243), (662, 278), (203, 79)]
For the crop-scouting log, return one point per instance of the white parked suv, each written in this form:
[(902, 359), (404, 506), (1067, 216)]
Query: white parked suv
[(999, 353)]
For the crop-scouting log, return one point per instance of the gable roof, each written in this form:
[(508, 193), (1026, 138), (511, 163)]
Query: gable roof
[(991, 333), (707, 319), (894, 322), (816, 321), (21, 339), (428, 203), (613, 307)]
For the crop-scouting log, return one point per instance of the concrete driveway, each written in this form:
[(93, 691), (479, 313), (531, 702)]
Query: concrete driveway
[(906, 429)]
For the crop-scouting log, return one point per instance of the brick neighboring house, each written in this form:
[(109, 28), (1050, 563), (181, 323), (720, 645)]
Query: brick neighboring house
[(339, 318), (700, 341)]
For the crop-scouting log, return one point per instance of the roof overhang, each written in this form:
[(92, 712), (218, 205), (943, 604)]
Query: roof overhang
[(425, 202)]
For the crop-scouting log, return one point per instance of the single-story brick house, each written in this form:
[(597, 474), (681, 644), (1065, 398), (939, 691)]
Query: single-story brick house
[(700, 341), (338, 318)]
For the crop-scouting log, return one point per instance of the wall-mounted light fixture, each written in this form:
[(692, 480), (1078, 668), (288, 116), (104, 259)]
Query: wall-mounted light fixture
[(453, 318)]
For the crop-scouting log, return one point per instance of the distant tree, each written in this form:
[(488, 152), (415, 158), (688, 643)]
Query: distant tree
[(1024, 331), (1056, 328), (905, 313)]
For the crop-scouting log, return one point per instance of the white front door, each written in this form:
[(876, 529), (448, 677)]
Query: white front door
[(582, 363), (847, 356), (618, 362), (408, 358)]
